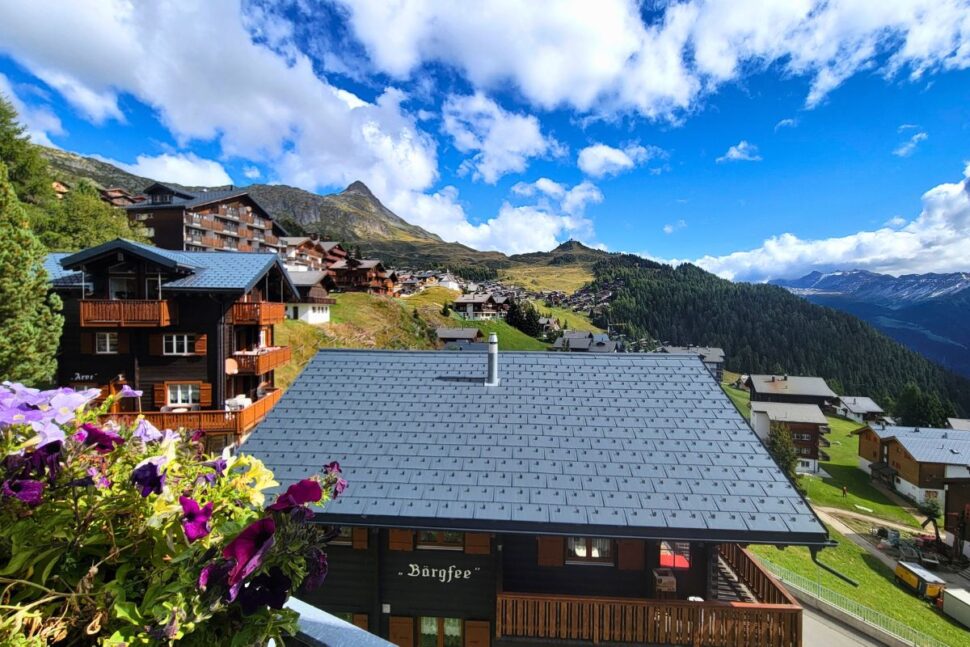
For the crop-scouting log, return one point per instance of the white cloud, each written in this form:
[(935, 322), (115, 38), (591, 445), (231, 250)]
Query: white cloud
[(909, 146), (670, 228), (600, 160), (603, 57), (252, 172), (936, 241), (39, 121), (743, 151), (503, 141), (187, 169), (896, 222), (786, 123)]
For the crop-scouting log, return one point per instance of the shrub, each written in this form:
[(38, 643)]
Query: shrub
[(129, 535)]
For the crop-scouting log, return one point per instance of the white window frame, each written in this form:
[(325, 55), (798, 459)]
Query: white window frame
[(109, 345), (175, 340), (186, 393)]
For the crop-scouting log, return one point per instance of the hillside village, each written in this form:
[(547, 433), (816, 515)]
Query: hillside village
[(502, 433)]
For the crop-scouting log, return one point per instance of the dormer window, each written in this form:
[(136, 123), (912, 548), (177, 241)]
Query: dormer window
[(161, 198)]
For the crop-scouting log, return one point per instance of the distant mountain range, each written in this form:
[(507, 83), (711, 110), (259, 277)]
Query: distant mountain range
[(929, 313)]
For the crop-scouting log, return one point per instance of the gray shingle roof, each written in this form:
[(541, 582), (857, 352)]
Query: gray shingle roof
[(889, 431), (57, 275), (458, 333), (622, 445), (784, 412), (860, 404), (710, 354), (962, 424), (204, 271), (308, 278), (791, 385), (950, 451)]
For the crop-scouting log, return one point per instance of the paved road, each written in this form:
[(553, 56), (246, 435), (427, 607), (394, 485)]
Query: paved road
[(821, 631)]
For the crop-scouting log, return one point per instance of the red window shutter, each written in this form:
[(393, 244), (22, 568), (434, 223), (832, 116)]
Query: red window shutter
[(400, 539), (552, 551), (361, 620), (159, 394), (124, 343), (400, 631), (201, 345), (205, 395), (630, 555), (358, 538), (478, 543), (87, 343), (155, 344), (477, 633)]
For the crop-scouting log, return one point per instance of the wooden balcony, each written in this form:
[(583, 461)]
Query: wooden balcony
[(259, 313), (774, 621), (127, 313), (263, 361), (220, 421)]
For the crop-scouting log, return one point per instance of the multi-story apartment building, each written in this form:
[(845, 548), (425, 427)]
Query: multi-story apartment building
[(193, 331), (206, 220)]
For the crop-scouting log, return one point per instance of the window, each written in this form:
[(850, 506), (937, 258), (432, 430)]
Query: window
[(344, 537), (180, 344), (161, 198), (106, 343), (439, 632), (589, 550), (441, 540), (184, 394), (804, 464), (675, 554), (123, 287)]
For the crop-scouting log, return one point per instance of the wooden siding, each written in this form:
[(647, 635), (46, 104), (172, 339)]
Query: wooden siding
[(869, 446)]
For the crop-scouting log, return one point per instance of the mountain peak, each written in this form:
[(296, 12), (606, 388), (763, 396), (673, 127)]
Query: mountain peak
[(361, 189), (571, 246)]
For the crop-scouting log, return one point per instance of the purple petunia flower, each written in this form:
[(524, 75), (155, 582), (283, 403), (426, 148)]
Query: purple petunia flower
[(128, 392), (148, 476), (317, 568), (266, 590), (219, 467), (331, 468), (47, 431), (100, 480), (247, 551), (214, 574), (300, 493), (195, 519), (46, 459), (103, 440), (65, 403), (146, 431), (29, 491)]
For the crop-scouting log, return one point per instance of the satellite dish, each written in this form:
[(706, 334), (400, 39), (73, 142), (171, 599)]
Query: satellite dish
[(232, 367)]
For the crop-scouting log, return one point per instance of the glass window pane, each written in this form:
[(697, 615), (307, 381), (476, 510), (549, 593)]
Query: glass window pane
[(601, 549), (452, 632), (454, 538), (428, 632), (576, 547)]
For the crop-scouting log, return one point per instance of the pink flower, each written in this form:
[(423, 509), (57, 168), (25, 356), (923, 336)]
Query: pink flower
[(195, 520), (300, 493), (247, 551)]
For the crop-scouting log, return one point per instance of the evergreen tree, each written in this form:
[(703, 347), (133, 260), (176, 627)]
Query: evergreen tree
[(26, 170), (782, 449), (81, 220), (446, 310), (30, 323)]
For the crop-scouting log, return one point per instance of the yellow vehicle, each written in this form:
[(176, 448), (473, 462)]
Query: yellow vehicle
[(920, 580)]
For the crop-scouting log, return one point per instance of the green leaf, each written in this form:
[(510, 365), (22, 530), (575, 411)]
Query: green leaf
[(17, 562), (128, 611)]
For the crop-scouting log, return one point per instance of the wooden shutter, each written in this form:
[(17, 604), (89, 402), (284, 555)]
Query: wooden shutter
[(400, 631), (124, 343), (400, 539), (87, 343), (552, 551), (155, 344), (205, 395), (358, 538), (201, 344), (361, 620), (630, 555), (478, 543), (159, 394), (477, 633)]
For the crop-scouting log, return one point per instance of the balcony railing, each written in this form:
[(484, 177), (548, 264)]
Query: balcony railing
[(775, 621), (261, 313), (221, 421), (262, 361), (127, 313)]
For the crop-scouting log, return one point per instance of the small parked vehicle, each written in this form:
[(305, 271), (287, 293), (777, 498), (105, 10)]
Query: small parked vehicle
[(919, 580)]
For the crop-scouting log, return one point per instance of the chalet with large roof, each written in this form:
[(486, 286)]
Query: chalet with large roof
[(193, 330), (794, 389), (229, 219), (524, 498), (859, 408), (806, 423)]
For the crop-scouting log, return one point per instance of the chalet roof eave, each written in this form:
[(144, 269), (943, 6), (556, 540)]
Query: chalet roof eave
[(75, 261), (563, 529)]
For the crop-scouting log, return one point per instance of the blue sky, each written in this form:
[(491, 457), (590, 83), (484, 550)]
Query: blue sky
[(758, 139)]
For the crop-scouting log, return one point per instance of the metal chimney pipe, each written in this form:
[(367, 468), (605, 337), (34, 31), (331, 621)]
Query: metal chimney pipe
[(492, 378)]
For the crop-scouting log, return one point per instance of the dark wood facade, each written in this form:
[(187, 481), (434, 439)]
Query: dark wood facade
[(504, 590), (208, 364)]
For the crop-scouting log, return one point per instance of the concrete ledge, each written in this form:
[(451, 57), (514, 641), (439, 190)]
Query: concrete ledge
[(846, 618)]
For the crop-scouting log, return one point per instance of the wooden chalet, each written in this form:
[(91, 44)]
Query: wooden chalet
[(794, 389), (478, 306), (303, 253), (118, 197), (525, 499), (313, 304), (193, 330), (361, 275), (806, 423), (206, 220)]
